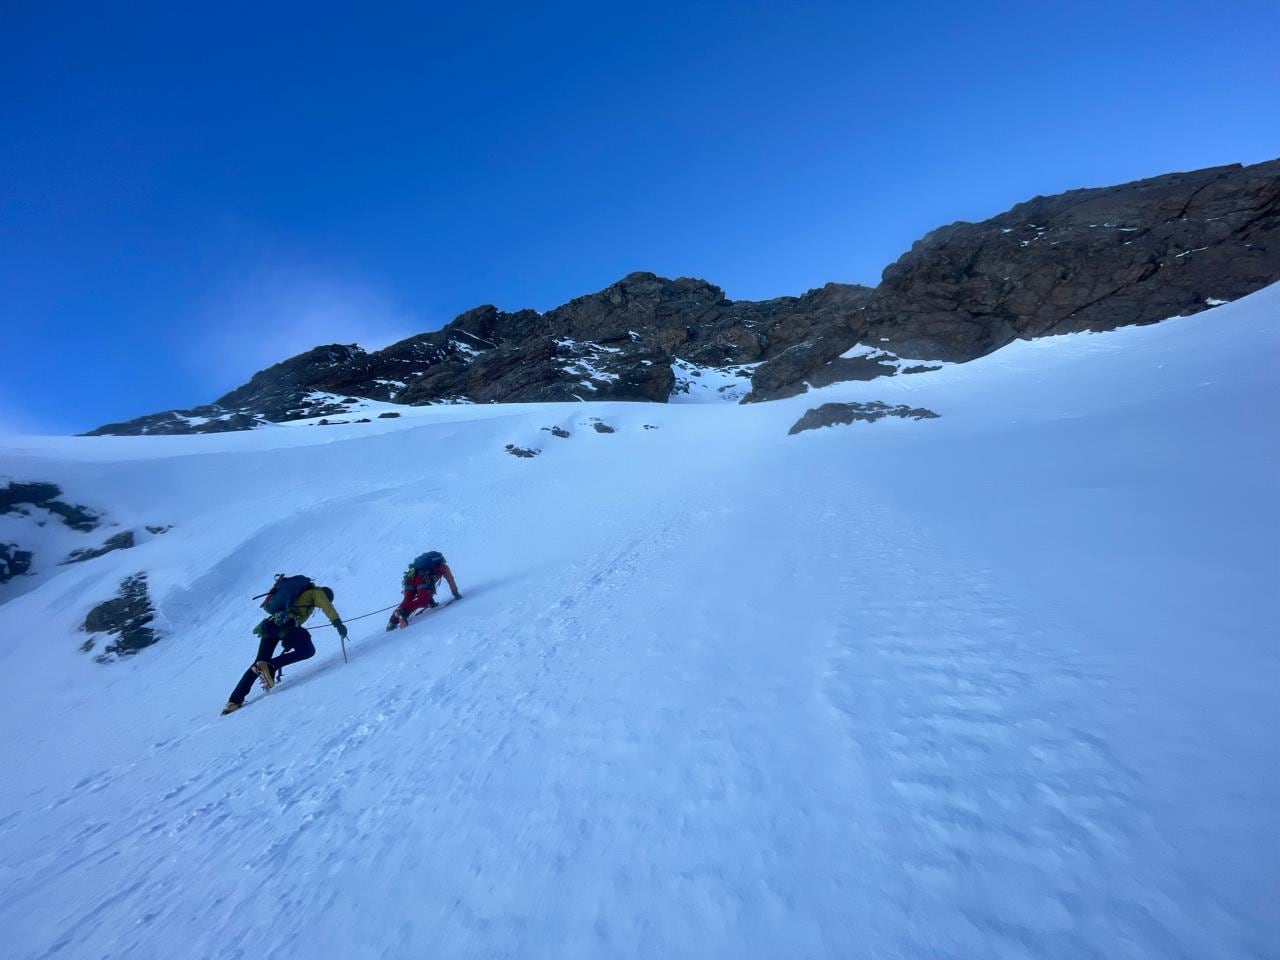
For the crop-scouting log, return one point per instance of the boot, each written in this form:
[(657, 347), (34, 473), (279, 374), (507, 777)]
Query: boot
[(266, 675), (231, 707)]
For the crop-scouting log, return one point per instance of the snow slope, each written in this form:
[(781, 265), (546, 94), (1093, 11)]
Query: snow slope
[(996, 685)]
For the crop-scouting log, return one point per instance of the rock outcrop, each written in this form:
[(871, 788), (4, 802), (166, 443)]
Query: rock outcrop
[(14, 561), (1089, 259), (1092, 259), (24, 498), (127, 617), (617, 344), (832, 414), (120, 541)]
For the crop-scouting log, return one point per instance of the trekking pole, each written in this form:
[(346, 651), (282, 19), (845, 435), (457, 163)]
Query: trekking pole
[(343, 640)]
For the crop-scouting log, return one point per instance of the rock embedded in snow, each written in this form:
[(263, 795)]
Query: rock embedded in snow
[(14, 561), (557, 431), (18, 498), (527, 453), (127, 617), (121, 541), (832, 414), (599, 426)]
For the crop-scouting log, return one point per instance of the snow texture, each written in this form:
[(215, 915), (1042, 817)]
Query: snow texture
[(702, 384), (997, 685)]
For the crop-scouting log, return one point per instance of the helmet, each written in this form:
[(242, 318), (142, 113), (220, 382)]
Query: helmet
[(328, 592)]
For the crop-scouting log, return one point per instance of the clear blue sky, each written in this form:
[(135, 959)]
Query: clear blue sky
[(191, 192)]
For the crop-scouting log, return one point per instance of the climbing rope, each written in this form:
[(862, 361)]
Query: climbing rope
[(363, 616)]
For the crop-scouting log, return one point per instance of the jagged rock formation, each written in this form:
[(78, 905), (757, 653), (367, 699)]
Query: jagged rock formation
[(617, 344), (831, 414), (1084, 260), (127, 617)]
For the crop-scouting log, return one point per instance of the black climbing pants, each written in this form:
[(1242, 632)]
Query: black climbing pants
[(297, 647)]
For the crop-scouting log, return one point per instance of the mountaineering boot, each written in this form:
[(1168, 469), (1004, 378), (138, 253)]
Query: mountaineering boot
[(266, 676), (231, 707)]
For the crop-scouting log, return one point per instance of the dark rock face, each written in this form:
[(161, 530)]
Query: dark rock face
[(18, 498), (127, 617), (14, 562), (831, 414), (121, 541), (527, 453), (210, 418), (1084, 260), (1092, 259), (617, 344)]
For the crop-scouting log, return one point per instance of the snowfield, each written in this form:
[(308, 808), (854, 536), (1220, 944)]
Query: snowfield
[(997, 685)]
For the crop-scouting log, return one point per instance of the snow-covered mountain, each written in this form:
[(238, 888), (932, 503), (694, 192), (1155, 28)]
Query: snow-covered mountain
[(1093, 259), (997, 682)]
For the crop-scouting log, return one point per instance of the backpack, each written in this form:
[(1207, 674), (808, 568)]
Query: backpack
[(281, 597), (427, 561)]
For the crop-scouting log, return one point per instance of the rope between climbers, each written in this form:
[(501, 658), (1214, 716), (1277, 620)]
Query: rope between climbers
[(363, 616)]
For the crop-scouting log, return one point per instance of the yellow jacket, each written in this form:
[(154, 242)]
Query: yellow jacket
[(306, 604)]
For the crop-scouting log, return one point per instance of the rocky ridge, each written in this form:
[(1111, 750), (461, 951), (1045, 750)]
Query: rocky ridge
[(1090, 259)]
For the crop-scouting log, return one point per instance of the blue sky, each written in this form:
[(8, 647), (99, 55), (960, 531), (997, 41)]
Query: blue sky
[(188, 195)]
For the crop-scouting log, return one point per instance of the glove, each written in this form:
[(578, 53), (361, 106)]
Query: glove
[(341, 628), (457, 595)]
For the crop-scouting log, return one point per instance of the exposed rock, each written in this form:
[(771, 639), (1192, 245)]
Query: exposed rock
[(210, 418), (599, 426), (1084, 260), (617, 344), (14, 562), (526, 452), (127, 617), (651, 426), (16, 496), (785, 375), (1091, 259), (121, 541), (158, 530), (844, 369), (557, 431), (830, 414), (388, 415)]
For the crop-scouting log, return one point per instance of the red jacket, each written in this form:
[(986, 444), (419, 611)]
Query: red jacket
[(420, 585)]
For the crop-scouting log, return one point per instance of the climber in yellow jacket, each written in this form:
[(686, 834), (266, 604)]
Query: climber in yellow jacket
[(289, 604)]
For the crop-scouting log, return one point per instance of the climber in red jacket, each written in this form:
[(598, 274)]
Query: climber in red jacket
[(419, 583)]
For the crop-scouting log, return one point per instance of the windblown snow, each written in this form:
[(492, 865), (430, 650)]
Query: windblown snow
[(996, 685)]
